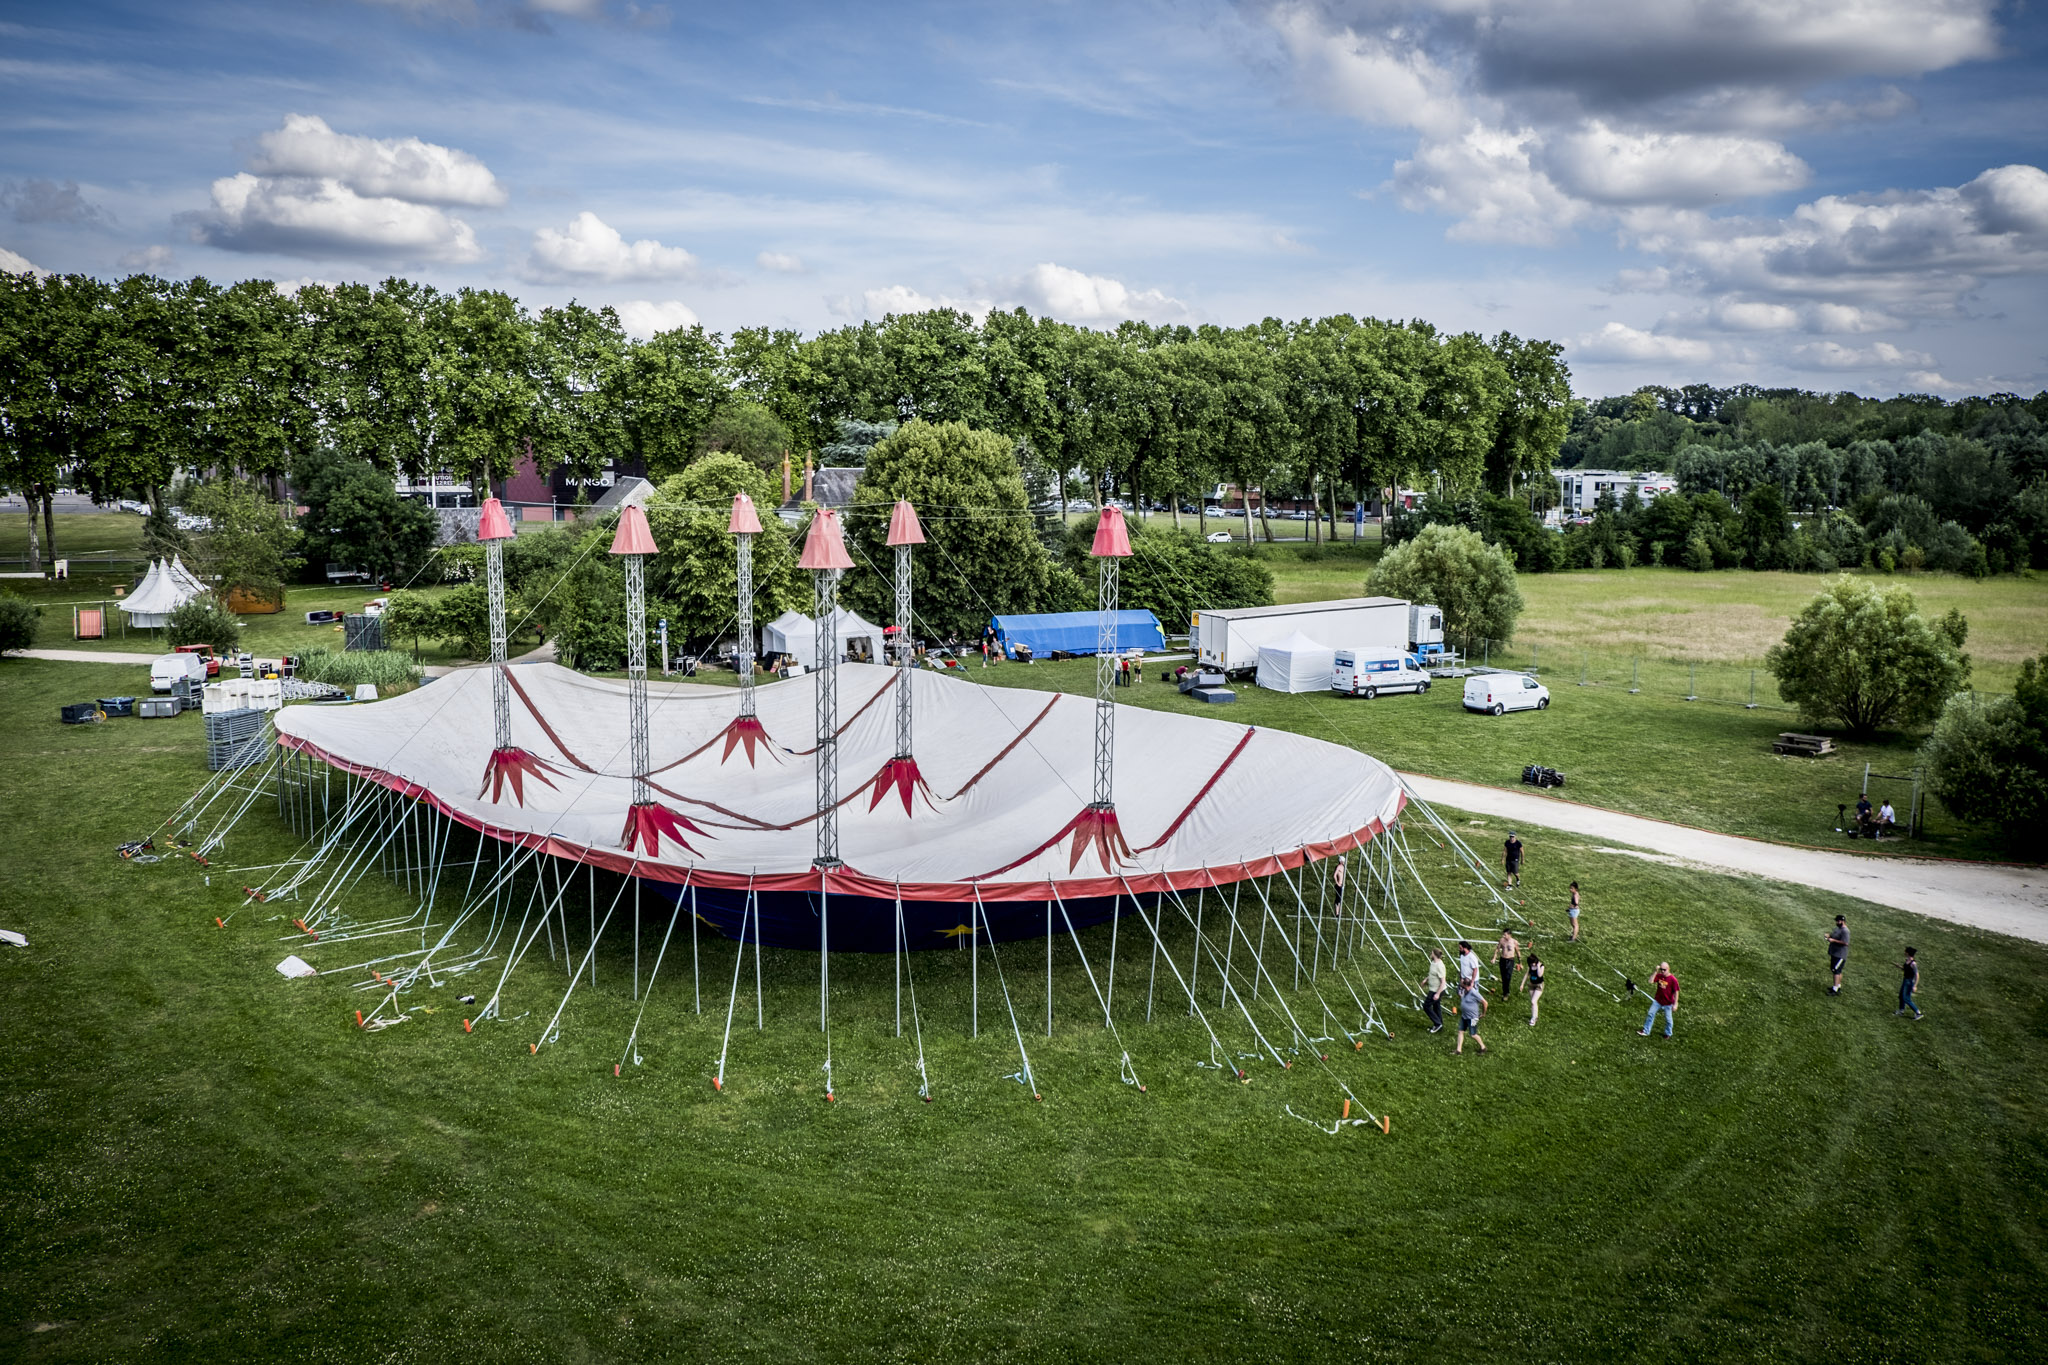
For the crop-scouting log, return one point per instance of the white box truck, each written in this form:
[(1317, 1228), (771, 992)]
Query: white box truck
[(1228, 638), (1371, 671), (1425, 629)]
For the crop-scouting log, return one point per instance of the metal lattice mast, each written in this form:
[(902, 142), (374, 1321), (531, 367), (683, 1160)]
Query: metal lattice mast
[(1112, 545), (494, 528), (904, 532), (745, 524), (826, 557), (633, 543)]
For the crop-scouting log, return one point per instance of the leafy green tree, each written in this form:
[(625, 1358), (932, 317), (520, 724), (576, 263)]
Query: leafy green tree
[(749, 431), (1987, 760), (355, 517), (1535, 411), (1866, 660), (1454, 569), (579, 418), (670, 389), (202, 620), (981, 557), (695, 577), (251, 548), (411, 616), (372, 353), (463, 621), (18, 618), (482, 385)]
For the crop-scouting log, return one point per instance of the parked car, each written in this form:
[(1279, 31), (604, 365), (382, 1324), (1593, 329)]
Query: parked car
[(1220, 537), (140, 509), (165, 671), (1499, 692), (212, 664)]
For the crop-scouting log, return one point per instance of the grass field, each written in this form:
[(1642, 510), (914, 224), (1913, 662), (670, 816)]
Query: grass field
[(204, 1161)]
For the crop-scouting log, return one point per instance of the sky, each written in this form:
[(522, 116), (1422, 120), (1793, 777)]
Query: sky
[(1824, 194)]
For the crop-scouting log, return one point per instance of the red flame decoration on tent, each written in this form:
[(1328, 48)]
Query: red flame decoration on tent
[(1097, 828), (746, 730), (647, 823), (515, 765), (899, 774)]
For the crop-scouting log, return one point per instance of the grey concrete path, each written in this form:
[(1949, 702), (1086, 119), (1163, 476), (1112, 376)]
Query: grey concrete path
[(88, 656), (2007, 900)]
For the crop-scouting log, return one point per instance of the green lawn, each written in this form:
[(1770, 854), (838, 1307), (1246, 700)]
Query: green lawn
[(78, 533), (205, 1161)]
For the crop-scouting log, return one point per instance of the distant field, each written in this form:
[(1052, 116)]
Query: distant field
[(77, 533)]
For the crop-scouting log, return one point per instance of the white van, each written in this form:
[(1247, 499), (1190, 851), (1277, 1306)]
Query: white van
[(1369, 672), (1498, 692), (166, 670)]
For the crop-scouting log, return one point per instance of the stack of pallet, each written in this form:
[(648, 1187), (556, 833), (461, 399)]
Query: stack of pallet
[(235, 739)]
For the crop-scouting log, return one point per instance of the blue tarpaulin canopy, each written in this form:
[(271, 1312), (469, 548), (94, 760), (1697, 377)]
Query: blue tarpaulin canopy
[(1078, 632)]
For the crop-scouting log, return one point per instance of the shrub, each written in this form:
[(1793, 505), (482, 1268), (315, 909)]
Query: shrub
[(1699, 556), (1866, 660), (18, 618), (1455, 570), (202, 620), (411, 616), (1988, 760)]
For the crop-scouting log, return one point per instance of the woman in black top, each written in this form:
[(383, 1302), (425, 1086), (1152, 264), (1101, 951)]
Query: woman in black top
[(1535, 986)]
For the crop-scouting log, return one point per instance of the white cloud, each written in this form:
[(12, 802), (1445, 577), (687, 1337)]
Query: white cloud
[(644, 318), (591, 249), (1533, 119), (1612, 166), (1073, 296), (1903, 253), (782, 262), (320, 218), (1882, 355), (376, 168), (901, 298), (1619, 341), (11, 263), (152, 260)]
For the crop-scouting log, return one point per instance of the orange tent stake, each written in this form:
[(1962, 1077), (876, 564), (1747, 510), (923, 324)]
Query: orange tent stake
[(1387, 1124), (1347, 1109), (359, 1018), (466, 1028), (717, 1083)]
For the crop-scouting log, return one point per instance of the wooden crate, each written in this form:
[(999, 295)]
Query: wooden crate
[(1809, 746)]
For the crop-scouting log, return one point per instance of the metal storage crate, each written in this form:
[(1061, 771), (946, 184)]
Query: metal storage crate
[(236, 739), (158, 707), (118, 706), (82, 713), (362, 632)]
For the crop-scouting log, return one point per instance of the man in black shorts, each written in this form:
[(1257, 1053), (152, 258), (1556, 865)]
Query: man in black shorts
[(1838, 952), (1514, 861)]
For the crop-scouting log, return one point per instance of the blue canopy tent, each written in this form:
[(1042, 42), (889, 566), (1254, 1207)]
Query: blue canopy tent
[(1077, 632)]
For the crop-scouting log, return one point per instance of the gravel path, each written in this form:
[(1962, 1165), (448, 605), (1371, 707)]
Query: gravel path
[(2005, 899)]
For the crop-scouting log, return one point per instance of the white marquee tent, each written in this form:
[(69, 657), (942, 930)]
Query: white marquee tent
[(166, 587), (795, 634), (1296, 664)]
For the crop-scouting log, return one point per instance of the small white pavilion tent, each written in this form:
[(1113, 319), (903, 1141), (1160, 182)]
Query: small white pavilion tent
[(1296, 664), (165, 588), (796, 635)]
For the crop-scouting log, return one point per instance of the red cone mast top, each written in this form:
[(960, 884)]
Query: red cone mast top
[(825, 546), (1112, 537), (904, 528), (745, 520), (493, 524), (634, 537)]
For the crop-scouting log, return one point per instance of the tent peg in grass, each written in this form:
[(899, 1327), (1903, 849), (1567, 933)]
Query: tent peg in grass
[(533, 1049), (718, 1083), (1347, 1110), (219, 923), (466, 1027), (359, 1018)]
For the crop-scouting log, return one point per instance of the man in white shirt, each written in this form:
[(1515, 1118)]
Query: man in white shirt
[(1886, 819)]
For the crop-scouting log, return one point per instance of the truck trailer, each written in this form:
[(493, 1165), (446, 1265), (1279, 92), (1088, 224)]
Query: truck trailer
[(1228, 638)]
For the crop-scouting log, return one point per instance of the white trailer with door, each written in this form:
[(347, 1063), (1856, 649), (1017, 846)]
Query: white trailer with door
[(1229, 638)]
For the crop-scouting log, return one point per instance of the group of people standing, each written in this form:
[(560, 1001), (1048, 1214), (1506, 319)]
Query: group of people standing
[(1472, 1002)]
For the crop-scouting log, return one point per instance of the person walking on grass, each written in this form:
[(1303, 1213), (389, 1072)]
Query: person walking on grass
[(1514, 862), (1573, 911), (1468, 974), (1535, 986), (1664, 997), (1838, 952), (1909, 984), (1433, 991), (1505, 954), (1469, 1006)]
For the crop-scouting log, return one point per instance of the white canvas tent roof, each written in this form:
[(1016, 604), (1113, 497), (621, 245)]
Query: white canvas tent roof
[(1296, 664), (165, 588), (1001, 812), (796, 634)]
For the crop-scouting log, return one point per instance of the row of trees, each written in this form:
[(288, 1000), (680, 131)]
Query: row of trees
[(113, 386)]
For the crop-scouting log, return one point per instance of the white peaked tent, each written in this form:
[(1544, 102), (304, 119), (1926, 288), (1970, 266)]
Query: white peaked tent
[(165, 588), (1296, 664), (796, 635)]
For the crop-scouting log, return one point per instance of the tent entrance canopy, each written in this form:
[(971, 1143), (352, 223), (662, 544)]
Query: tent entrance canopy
[(1296, 664), (796, 635), (168, 586), (1078, 632)]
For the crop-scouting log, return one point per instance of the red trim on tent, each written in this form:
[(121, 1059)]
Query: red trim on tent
[(1004, 752), (847, 881), (1207, 787)]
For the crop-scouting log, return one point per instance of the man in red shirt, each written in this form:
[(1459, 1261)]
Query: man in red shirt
[(1663, 996)]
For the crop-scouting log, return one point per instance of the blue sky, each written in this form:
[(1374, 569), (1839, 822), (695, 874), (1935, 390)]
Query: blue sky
[(1824, 193)]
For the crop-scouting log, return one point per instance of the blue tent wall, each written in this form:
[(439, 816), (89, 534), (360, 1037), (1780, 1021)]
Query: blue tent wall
[(1078, 632)]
